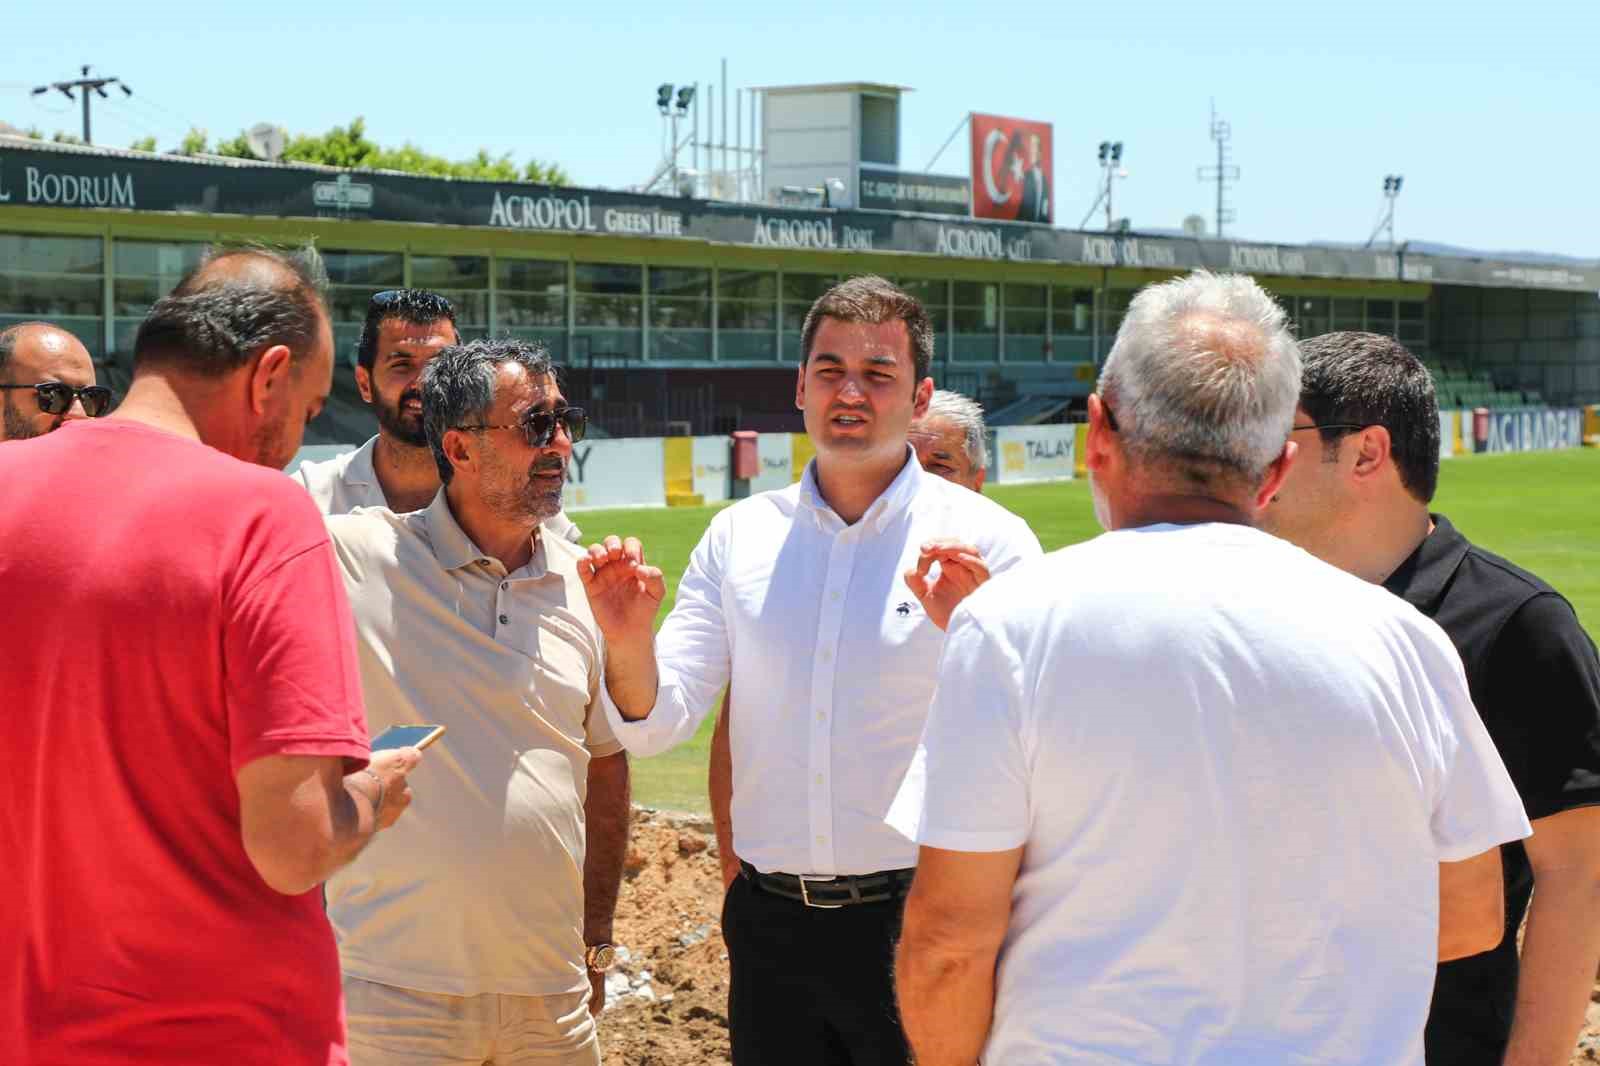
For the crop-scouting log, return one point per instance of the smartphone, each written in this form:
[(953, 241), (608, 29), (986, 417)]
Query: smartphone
[(407, 736)]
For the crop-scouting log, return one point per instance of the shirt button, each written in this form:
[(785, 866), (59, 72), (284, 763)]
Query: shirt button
[(505, 619), (819, 779), (504, 585), (834, 596), (821, 839), (826, 655), (822, 716)]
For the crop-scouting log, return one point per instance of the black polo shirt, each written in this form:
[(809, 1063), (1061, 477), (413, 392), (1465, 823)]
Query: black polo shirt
[(1535, 679)]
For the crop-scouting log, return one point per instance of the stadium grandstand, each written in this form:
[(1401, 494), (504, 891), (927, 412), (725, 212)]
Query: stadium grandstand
[(681, 315)]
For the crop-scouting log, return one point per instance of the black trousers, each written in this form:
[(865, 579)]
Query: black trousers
[(811, 987)]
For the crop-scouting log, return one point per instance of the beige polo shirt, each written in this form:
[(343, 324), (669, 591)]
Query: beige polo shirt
[(479, 887)]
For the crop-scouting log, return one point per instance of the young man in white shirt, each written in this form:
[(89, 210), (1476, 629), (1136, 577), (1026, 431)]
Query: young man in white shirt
[(1187, 794), (799, 597), (405, 329)]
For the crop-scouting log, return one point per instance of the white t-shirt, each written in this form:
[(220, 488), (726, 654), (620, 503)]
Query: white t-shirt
[(1233, 771)]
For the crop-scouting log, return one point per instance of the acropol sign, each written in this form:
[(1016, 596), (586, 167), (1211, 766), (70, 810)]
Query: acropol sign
[(33, 175)]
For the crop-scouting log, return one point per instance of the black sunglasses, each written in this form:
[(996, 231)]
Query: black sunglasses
[(55, 397), (540, 427), (1348, 427), (415, 299)]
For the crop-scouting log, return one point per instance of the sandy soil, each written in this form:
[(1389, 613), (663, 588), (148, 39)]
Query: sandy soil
[(667, 1002)]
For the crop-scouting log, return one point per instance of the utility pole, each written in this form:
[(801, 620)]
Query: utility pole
[(1224, 172), (84, 84)]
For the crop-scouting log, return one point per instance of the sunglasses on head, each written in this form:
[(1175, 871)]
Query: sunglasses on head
[(55, 397), (539, 427), (415, 299)]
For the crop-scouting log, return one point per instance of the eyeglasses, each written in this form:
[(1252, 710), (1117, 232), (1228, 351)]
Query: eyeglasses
[(420, 300), (540, 427), (55, 397)]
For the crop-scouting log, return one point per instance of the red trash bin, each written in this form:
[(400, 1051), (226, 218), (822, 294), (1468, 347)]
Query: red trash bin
[(1480, 429), (746, 459)]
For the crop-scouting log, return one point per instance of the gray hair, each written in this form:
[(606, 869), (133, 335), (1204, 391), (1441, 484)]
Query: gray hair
[(457, 386), (966, 414), (1204, 374)]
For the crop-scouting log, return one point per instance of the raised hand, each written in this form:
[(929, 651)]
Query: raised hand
[(624, 593), (961, 571)]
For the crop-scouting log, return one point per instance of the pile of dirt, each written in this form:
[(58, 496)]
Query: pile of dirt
[(667, 1000)]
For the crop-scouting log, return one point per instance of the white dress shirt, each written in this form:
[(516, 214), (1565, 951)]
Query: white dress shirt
[(345, 482), (831, 658)]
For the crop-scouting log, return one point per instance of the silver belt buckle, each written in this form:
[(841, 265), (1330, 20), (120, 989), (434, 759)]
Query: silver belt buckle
[(805, 897)]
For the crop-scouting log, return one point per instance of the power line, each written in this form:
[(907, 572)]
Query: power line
[(84, 85)]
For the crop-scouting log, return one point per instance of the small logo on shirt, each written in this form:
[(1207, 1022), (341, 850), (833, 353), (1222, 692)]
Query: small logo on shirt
[(905, 609)]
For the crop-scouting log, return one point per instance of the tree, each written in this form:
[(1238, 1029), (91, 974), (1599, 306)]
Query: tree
[(350, 147), (144, 144), (194, 142)]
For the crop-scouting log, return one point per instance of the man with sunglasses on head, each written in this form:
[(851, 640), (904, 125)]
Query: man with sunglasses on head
[(480, 931), (1368, 430), (46, 380), (404, 329)]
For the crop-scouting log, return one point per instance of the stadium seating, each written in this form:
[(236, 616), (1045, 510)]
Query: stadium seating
[(1459, 387)]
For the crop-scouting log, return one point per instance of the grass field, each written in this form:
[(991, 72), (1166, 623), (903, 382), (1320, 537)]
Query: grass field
[(1541, 510)]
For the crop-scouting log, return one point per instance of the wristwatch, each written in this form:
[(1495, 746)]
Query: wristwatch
[(600, 957)]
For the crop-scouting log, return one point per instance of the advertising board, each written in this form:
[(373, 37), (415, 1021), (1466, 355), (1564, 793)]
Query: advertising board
[(625, 472), (1032, 453)]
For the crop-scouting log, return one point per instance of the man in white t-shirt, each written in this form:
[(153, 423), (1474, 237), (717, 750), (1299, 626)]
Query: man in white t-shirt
[(1187, 794)]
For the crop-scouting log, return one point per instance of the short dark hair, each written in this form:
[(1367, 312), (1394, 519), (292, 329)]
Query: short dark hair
[(1371, 380), (874, 300), (216, 319), (458, 386), (417, 307)]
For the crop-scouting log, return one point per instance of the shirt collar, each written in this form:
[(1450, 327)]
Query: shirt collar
[(1422, 578), (893, 500), (454, 549), (359, 471)]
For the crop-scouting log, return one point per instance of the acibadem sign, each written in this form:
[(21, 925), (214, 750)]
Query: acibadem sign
[(32, 176)]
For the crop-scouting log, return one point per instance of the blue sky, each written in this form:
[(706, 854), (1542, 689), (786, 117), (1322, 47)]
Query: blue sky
[(1489, 110)]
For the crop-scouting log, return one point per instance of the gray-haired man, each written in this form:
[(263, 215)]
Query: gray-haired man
[(1176, 780), (483, 933), (951, 439)]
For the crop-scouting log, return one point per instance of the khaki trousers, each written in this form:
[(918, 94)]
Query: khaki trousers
[(391, 1026)]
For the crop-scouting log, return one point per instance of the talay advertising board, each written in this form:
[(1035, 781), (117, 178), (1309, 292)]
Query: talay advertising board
[(622, 472), (1032, 453), (1012, 169)]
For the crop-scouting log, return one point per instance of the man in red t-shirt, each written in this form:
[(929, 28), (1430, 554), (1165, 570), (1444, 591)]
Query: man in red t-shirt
[(184, 754)]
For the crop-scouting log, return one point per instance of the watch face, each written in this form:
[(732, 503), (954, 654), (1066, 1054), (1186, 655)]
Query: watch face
[(601, 956)]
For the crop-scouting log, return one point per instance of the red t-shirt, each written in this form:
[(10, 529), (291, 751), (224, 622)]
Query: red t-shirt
[(167, 615)]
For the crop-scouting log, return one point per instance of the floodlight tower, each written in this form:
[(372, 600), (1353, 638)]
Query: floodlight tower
[(1391, 193), (1111, 169), (85, 85)]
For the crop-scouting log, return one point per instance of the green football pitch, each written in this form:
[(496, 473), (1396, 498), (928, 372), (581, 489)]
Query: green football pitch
[(1540, 510)]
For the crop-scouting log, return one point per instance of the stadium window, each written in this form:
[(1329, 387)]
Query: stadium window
[(1311, 316), (1380, 317), (747, 315), (464, 281), (934, 294), (1347, 315), (680, 313), (59, 279), (1072, 324), (352, 279), (800, 291), (530, 302), (1027, 334), (1412, 330), (975, 307), (1113, 306), (606, 311)]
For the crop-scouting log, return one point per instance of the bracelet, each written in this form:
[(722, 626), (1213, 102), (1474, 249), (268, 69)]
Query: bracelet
[(377, 804)]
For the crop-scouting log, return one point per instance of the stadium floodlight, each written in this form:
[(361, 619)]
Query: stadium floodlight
[(1116, 152), (685, 98), (664, 97), (41, 89), (1105, 150)]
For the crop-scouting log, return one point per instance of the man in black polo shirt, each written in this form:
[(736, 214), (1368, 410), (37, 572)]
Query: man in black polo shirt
[(1357, 497)]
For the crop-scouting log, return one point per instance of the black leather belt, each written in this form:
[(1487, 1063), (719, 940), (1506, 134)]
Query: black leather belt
[(830, 893)]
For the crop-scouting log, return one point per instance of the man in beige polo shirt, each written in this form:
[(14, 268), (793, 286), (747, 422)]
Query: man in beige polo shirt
[(479, 932)]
